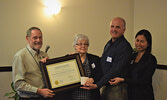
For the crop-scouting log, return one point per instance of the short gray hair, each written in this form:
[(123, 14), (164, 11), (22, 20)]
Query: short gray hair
[(28, 33), (80, 37)]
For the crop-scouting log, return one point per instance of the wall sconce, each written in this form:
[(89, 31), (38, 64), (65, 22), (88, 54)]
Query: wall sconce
[(52, 7)]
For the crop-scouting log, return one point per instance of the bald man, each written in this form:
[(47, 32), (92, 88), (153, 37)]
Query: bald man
[(116, 55)]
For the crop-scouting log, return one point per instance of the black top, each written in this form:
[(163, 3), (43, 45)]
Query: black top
[(139, 77)]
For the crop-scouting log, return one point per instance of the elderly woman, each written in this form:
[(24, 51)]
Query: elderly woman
[(91, 67)]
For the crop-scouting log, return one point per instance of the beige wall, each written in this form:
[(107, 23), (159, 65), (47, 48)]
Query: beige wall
[(91, 17), (77, 16)]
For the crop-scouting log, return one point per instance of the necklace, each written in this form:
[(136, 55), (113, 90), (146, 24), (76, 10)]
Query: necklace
[(33, 56)]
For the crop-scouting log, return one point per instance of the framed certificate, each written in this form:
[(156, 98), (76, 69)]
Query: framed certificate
[(62, 73)]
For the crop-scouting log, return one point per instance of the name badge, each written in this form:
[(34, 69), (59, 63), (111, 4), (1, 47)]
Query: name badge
[(93, 65), (109, 59)]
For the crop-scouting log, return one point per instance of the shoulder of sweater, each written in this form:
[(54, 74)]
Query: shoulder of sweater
[(21, 52), (149, 58), (123, 42), (92, 55), (153, 58)]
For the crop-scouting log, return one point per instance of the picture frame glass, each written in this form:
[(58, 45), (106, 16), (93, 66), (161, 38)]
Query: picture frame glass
[(62, 73)]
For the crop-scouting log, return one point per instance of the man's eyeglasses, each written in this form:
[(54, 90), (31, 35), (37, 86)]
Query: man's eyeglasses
[(80, 44)]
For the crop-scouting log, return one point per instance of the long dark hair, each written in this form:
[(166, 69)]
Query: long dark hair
[(148, 37)]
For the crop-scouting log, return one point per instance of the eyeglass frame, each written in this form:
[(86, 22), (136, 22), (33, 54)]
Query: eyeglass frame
[(80, 44)]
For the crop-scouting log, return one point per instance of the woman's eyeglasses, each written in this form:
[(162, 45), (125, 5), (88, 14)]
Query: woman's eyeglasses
[(80, 44)]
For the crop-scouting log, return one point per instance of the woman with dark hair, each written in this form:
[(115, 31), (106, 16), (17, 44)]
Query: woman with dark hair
[(141, 69)]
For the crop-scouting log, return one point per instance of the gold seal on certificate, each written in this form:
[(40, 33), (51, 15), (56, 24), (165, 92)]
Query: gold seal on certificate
[(62, 73), (56, 82)]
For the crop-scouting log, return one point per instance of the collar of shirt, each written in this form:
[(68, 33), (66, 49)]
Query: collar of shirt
[(33, 52), (117, 40)]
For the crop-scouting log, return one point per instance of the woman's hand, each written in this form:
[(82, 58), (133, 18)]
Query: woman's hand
[(89, 86), (89, 81)]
